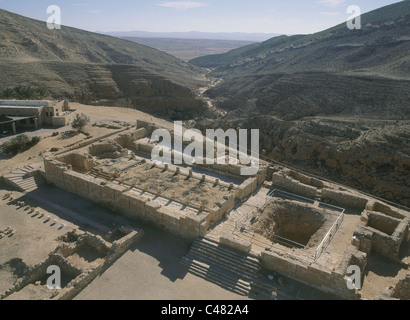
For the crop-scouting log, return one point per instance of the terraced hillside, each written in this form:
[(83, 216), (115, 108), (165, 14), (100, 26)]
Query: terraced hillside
[(88, 67)]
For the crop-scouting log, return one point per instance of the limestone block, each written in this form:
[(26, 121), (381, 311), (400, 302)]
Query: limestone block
[(246, 188), (236, 243), (69, 178), (94, 189)]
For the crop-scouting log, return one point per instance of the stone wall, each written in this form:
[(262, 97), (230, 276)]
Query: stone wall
[(79, 160), (282, 181), (106, 147), (382, 222), (402, 289), (328, 281), (131, 204), (246, 188), (344, 198), (306, 179), (226, 206), (387, 210), (38, 272), (123, 244), (81, 277), (382, 234), (65, 119), (140, 133), (126, 140)]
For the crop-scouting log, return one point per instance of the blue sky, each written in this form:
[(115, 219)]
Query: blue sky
[(264, 16)]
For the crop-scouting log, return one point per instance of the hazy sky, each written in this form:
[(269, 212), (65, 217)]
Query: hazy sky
[(266, 16)]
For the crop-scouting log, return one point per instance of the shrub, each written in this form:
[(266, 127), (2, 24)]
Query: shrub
[(80, 121), (18, 144)]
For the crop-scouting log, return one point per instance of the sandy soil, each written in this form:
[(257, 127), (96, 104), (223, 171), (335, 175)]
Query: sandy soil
[(380, 273), (151, 271), (34, 239)]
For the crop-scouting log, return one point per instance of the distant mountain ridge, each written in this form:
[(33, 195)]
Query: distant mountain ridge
[(88, 67), (195, 35), (187, 49)]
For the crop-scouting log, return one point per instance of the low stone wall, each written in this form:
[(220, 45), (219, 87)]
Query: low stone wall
[(306, 179), (382, 234), (106, 147), (73, 241), (228, 170), (142, 124), (54, 172), (64, 120), (76, 159), (123, 244), (228, 205), (79, 283), (344, 199), (144, 147), (387, 210), (87, 142), (140, 133), (126, 140), (246, 188), (40, 270), (382, 222), (327, 281), (282, 181), (402, 289), (261, 175)]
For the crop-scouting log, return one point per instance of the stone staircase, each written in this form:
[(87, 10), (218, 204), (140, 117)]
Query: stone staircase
[(25, 179), (232, 270)]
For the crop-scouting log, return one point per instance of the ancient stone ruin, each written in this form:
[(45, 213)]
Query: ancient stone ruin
[(280, 221)]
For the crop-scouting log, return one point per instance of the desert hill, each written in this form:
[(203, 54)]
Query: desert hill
[(89, 67), (334, 72), (335, 103)]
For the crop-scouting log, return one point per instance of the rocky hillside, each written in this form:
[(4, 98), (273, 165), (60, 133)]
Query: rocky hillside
[(88, 67), (335, 103), (334, 72), (370, 155)]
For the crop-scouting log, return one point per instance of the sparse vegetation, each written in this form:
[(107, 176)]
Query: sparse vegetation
[(80, 121), (69, 134), (23, 93), (18, 144)]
